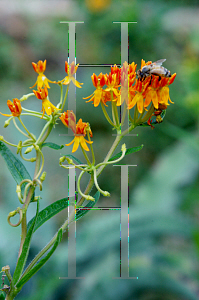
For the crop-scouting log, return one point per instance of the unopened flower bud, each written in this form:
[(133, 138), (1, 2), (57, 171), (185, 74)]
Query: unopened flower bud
[(28, 150), (43, 176), (18, 189), (70, 161), (36, 147), (62, 159), (106, 194), (32, 159), (7, 122), (123, 148), (90, 198)]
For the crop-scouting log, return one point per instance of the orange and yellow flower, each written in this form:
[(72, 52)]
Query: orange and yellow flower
[(112, 85), (137, 94), (158, 91), (122, 85), (42, 80), (99, 94), (80, 130), (15, 108), (71, 70), (47, 106), (128, 75)]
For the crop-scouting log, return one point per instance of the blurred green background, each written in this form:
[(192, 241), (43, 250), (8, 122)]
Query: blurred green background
[(163, 188)]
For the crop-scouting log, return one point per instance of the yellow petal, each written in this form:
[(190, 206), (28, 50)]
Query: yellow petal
[(83, 143), (140, 103), (75, 82), (154, 99), (76, 143)]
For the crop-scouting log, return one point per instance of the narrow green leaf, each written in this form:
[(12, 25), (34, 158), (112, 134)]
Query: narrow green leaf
[(2, 297), (25, 251), (74, 158), (48, 212), (128, 151), (15, 166), (41, 263), (53, 146), (90, 204)]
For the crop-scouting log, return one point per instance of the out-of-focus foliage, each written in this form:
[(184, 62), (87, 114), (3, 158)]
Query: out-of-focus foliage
[(164, 187)]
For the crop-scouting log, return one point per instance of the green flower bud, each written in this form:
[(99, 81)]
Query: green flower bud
[(7, 122), (28, 150), (43, 176), (62, 159)]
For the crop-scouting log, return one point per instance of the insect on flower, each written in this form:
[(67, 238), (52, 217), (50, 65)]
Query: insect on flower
[(155, 68)]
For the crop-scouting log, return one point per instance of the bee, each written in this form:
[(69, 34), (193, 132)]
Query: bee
[(153, 69)]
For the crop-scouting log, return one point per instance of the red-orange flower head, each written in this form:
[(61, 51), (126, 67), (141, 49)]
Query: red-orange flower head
[(71, 70), (47, 106), (81, 131), (69, 120), (42, 80), (152, 88), (137, 94), (40, 66), (128, 76), (112, 86), (98, 95), (15, 108), (117, 71), (158, 91)]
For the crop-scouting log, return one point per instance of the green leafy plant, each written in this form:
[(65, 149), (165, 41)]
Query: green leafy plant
[(148, 96)]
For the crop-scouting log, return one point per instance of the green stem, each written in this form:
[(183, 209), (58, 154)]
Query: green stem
[(45, 132), (19, 128), (86, 156), (65, 97), (64, 227), (26, 204), (106, 114), (29, 134), (80, 202), (92, 151)]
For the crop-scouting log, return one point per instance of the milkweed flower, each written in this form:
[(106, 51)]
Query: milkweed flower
[(71, 70), (137, 94), (112, 85), (47, 106), (42, 80), (69, 120), (80, 131), (128, 75), (99, 94), (15, 108), (158, 91)]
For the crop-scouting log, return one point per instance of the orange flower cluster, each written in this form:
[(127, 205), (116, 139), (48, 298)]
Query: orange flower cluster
[(80, 130), (43, 84), (122, 85)]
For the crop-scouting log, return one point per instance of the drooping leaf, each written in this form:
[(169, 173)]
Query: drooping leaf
[(85, 209), (25, 250), (15, 166), (128, 151), (48, 212), (36, 268), (53, 146)]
